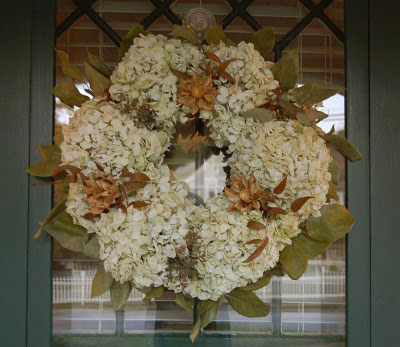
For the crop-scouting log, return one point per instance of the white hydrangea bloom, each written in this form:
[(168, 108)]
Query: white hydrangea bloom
[(254, 87), (100, 133), (144, 77), (136, 246), (286, 148), (223, 249)]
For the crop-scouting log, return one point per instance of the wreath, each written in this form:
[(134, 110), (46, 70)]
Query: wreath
[(124, 206)]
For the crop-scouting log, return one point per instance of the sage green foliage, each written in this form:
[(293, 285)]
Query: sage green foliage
[(335, 222), (247, 303), (312, 248), (99, 65), (102, 281), (263, 40), (185, 302), (69, 94), (69, 235), (204, 305), (119, 293), (56, 210), (67, 69), (261, 283), (276, 271), (312, 93), (286, 70), (92, 248), (210, 313), (334, 171), (215, 35), (261, 114), (344, 147), (136, 30), (288, 106), (51, 156), (184, 32), (294, 261), (195, 330), (154, 292), (98, 82)]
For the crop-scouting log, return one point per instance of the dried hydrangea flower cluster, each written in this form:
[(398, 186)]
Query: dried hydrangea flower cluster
[(161, 238)]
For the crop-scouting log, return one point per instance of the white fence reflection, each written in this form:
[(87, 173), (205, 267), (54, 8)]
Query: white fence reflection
[(324, 281)]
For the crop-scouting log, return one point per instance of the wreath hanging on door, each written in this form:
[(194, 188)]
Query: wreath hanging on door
[(125, 207)]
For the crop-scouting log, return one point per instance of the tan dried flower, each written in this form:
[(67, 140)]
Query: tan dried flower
[(101, 192), (197, 92), (246, 195)]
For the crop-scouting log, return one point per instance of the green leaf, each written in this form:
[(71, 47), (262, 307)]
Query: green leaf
[(286, 70), (312, 248), (314, 115), (294, 260), (136, 30), (185, 302), (302, 118), (43, 169), (57, 209), (67, 68), (69, 235), (247, 303), (209, 315), (155, 292), (98, 83), (261, 114), (92, 248), (344, 147), (119, 293), (334, 223), (261, 283), (195, 330), (312, 93), (69, 94), (263, 40), (51, 153), (99, 65), (276, 271), (184, 32), (102, 281), (288, 106), (335, 172), (204, 305), (215, 35)]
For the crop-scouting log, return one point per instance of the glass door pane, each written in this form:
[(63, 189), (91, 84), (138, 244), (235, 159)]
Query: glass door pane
[(312, 309)]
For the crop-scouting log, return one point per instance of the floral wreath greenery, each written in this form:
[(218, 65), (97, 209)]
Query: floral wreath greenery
[(124, 206)]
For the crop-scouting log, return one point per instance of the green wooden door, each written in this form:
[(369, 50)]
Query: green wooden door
[(28, 38)]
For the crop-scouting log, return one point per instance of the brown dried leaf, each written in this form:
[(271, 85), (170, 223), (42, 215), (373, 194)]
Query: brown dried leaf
[(258, 251), (138, 204), (212, 57), (223, 66), (180, 74), (275, 211), (254, 242), (281, 186), (298, 203), (228, 77), (255, 225), (90, 216)]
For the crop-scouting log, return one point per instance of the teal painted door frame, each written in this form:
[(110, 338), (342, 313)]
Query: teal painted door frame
[(27, 57)]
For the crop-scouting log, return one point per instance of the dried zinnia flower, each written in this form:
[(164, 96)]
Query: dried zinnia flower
[(101, 192), (246, 195), (197, 92)]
